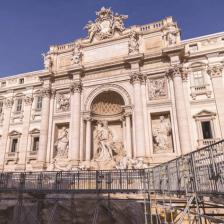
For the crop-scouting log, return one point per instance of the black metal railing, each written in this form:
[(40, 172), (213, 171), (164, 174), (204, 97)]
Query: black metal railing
[(93, 181), (201, 171)]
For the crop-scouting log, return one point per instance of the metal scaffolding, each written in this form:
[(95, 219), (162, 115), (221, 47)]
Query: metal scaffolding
[(190, 188)]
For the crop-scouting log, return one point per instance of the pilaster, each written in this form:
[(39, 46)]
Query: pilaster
[(215, 72)]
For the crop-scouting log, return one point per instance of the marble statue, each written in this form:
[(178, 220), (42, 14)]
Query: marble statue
[(171, 34), (105, 25), (62, 144), (48, 62), (77, 54), (104, 138), (160, 134), (133, 43)]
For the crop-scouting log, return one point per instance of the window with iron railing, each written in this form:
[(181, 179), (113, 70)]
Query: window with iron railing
[(39, 103), (19, 105)]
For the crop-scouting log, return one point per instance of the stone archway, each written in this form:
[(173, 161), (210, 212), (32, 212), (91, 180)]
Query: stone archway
[(107, 129)]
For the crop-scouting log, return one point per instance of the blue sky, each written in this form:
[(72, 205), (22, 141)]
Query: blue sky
[(28, 27)]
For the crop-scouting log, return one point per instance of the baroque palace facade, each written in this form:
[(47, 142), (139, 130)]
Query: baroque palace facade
[(120, 98)]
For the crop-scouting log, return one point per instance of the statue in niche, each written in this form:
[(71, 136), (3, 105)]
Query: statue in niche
[(157, 88), (63, 102), (161, 134), (61, 144), (104, 139), (133, 43), (48, 62)]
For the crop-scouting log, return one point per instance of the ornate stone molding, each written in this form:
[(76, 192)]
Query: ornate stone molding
[(9, 102), (215, 70), (76, 87), (28, 100), (137, 77), (105, 25)]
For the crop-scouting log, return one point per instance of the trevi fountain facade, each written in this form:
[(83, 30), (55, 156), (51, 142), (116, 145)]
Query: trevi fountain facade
[(120, 98)]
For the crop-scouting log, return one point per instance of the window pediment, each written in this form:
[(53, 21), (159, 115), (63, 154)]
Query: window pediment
[(14, 133), (204, 113), (35, 131)]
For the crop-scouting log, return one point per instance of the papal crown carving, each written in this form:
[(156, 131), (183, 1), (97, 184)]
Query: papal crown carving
[(105, 25)]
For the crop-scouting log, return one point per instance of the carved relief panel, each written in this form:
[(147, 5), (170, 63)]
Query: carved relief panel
[(162, 133), (157, 88), (62, 102)]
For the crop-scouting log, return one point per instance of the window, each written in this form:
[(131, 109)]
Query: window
[(35, 144), (19, 105), (206, 130), (14, 145), (1, 107), (39, 103), (193, 47), (3, 84), (21, 81), (198, 78)]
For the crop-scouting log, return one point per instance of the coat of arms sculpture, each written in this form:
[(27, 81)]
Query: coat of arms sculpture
[(105, 25)]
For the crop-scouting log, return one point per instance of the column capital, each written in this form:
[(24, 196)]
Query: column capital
[(9, 102), (137, 77), (177, 71), (46, 92), (28, 100), (76, 87), (215, 70)]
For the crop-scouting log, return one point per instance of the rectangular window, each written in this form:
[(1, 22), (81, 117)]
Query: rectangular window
[(21, 81), (199, 79), (206, 130), (3, 84), (1, 107), (14, 144), (19, 105), (193, 47), (39, 103), (35, 144)]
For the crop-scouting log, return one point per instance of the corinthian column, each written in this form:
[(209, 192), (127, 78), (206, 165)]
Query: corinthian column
[(185, 141), (128, 134), (25, 132), (215, 73), (44, 125), (88, 138), (8, 103), (74, 138), (136, 79)]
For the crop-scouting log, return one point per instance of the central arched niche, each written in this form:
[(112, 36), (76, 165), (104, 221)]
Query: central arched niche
[(108, 103), (108, 106)]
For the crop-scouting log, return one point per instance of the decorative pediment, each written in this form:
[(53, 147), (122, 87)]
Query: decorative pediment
[(204, 113), (34, 131), (14, 133), (105, 25)]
